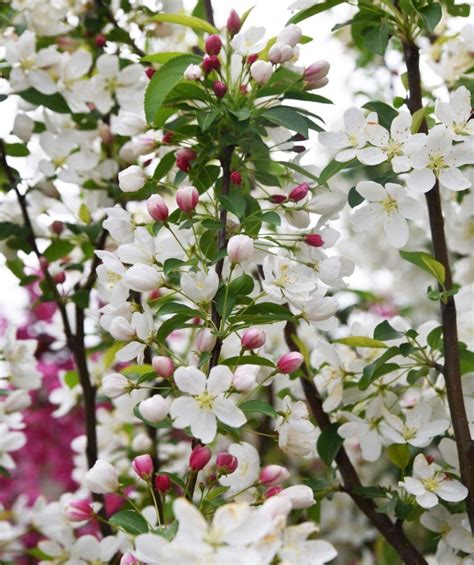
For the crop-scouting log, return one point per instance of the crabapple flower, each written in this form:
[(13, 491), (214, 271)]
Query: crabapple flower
[(388, 205), (142, 278), (315, 76), (102, 478), (157, 208), (415, 429), (9, 441), (20, 361), (78, 510), (429, 483), (297, 548), (247, 470), (433, 156), (114, 385), (240, 248), (285, 279), (453, 528), (261, 71), (206, 402), (280, 53), (388, 145), (200, 287), (154, 409), (300, 496), (131, 179), (353, 139), (291, 35), (272, 475), (456, 114), (249, 41), (296, 434)]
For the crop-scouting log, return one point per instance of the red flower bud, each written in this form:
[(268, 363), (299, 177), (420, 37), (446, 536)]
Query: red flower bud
[(186, 153), (211, 63), (162, 483), (272, 491), (199, 458), (183, 164), (100, 40), (150, 71), (236, 178), (226, 463), (271, 475), (59, 278), (234, 23), (299, 192), (57, 227), (278, 198), (299, 149), (251, 59), (253, 338), (168, 137), (314, 239), (213, 45), (219, 88)]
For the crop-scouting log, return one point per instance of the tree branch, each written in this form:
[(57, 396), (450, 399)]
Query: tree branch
[(392, 532), (452, 372)]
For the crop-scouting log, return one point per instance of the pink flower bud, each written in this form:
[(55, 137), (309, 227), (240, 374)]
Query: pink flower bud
[(236, 178), (211, 63), (193, 72), (157, 208), (233, 23), (200, 457), (290, 362), (219, 88), (280, 53), (205, 340), (186, 153), (240, 248), (143, 466), (314, 239), (128, 559), (272, 491), (253, 338), (78, 510), (163, 366), (316, 70), (299, 192), (213, 45), (187, 198), (57, 227), (272, 475), (251, 59), (162, 483), (183, 164), (150, 71), (278, 198), (154, 409), (226, 463), (100, 40)]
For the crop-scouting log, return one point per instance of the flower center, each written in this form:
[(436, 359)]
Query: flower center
[(205, 400), (409, 433), (389, 205), (393, 149), (437, 163), (431, 484)]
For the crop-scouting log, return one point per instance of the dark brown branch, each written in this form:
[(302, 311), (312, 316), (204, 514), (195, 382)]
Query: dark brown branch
[(452, 372), (392, 532)]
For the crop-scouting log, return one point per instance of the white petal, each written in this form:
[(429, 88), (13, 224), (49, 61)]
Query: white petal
[(346, 155), (204, 426), (228, 413), (333, 139), (190, 380), (192, 526), (427, 500), (377, 135), (371, 156), (107, 65), (354, 119), (220, 379), (130, 351), (411, 208), (413, 486), (421, 180), (184, 411), (400, 128), (452, 491), (453, 179), (396, 230), (371, 190)]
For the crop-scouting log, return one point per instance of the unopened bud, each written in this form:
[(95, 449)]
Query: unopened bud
[(226, 463), (162, 483), (143, 466), (199, 458), (272, 475), (157, 208), (253, 338), (290, 362)]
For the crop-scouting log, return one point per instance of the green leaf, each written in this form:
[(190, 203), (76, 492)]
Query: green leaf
[(399, 455), (354, 198), (54, 102), (266, 312), (431, 15), (335, 167), (206, 119), (130, 521), (163, 82), (174, 323), (376, 40), (426, 262), (177, 308), (164, 166), (466, 359), (248, 360), (378, 368), (188, 21), (234, 202), (329, 443), (16, 149), (71, 378), (288, 118), (360, 341), (385, 112), (258, 406), (418, 118), (300, 170), (241, 285), (161, 58), (434, 338), (313, 10), (385, 332), (370, 492), (58, 249)]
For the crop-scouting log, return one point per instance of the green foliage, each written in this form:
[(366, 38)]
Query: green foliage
[(425, 262), (197, 24), (130, 521), (329, 443)]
